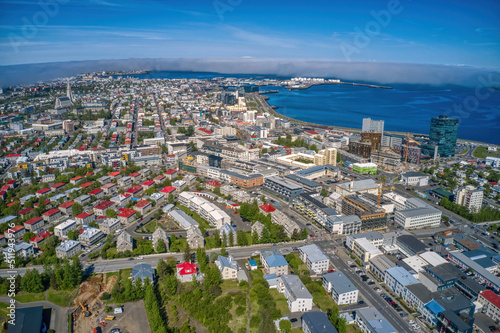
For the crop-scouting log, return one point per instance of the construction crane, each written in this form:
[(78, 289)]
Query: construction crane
[(380, 189), (85, 312), (408, 139)]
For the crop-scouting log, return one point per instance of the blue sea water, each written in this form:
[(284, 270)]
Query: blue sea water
[(405, 108)]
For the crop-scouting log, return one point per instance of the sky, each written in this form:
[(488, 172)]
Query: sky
[(458, 33)]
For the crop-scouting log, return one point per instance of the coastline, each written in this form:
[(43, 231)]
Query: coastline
[(263, 100)]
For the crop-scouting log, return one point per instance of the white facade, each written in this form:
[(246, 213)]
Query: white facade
[(298, 297), (417, 218), (62, 229), (314, 258)]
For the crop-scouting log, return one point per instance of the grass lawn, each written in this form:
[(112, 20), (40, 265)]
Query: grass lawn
[(3, 310), (482, 152), (125, 273), (29, 297), (280, 299), (256, 274), (151, 226), (229, 284), (296, 330), (352, 328), (61, 298), (324, 301)]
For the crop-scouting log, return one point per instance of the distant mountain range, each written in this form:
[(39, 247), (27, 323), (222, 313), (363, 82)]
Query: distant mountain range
[(377, 72)]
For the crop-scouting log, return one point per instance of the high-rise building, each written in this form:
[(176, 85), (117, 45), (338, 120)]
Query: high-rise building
[(68, 126), (373, 126), (443, 134), (469, 197)]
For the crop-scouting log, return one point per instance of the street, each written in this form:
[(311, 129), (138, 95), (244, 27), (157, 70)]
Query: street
[(367, 293)]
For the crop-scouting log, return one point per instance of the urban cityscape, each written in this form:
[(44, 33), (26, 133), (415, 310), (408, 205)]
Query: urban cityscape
[(143, 200)]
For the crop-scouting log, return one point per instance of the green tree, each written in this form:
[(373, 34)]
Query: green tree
[(110, 213), (73, 234), (171, 199), (187, 254), (160, 247), (76, 209), (324, 192), (285, 325), (32, 282), (27, 236)]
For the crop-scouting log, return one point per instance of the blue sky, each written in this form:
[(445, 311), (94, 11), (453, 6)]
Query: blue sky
[(426, 32)]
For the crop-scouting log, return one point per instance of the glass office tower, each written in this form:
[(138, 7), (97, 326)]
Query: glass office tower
[(443, 134)]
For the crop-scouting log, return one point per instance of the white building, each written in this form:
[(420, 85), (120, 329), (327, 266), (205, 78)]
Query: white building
[(367, 317), (228, 267), (298, 297), (342, 289), (314, 258), (469, 197), (62, 229), (411, 178), (397, 278), (417, 218), (68, 249), (91, 236)]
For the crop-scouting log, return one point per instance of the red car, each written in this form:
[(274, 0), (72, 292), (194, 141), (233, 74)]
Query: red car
[(236, 212), (312, 236)]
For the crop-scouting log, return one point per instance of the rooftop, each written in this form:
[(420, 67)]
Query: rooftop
[(340, 283), (295, 286), (313, 252), (375, 319), (318, 322)]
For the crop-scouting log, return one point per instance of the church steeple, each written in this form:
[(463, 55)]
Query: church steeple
[(69, 94)]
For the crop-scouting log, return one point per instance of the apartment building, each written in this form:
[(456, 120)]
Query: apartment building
[(343, 291), (314, 258), (298, 297)]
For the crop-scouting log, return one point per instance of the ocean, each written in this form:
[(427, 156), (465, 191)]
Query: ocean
[(405, 108)]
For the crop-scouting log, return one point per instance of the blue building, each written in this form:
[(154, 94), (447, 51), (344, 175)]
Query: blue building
[(443, 134)]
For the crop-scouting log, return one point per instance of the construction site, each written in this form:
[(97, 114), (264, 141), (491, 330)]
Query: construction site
[(88, 312)]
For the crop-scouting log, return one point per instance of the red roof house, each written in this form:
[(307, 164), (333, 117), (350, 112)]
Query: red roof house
[(142, 206), (126, 215), (491, 297), (168, 189), (41, 192), (85, 185), (51, 214), (135, 190), (267, 208), (185, 271), (57, 186), (35, 241)]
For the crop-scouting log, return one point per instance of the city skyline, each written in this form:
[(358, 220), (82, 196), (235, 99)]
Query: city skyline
[(458, 34)]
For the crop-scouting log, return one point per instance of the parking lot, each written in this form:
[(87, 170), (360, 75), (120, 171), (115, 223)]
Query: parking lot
[(133, 319)]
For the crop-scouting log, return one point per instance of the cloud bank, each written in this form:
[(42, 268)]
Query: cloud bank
[(376, 72)]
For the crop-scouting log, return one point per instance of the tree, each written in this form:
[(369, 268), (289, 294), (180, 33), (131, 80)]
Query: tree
[(160, 247), (73, 234), (27, 236), (170, 283), (324, 192), (187, 254), (171, 199), (201, 257), (32, 282), (110, 213), (285, 325), (76, 209)]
